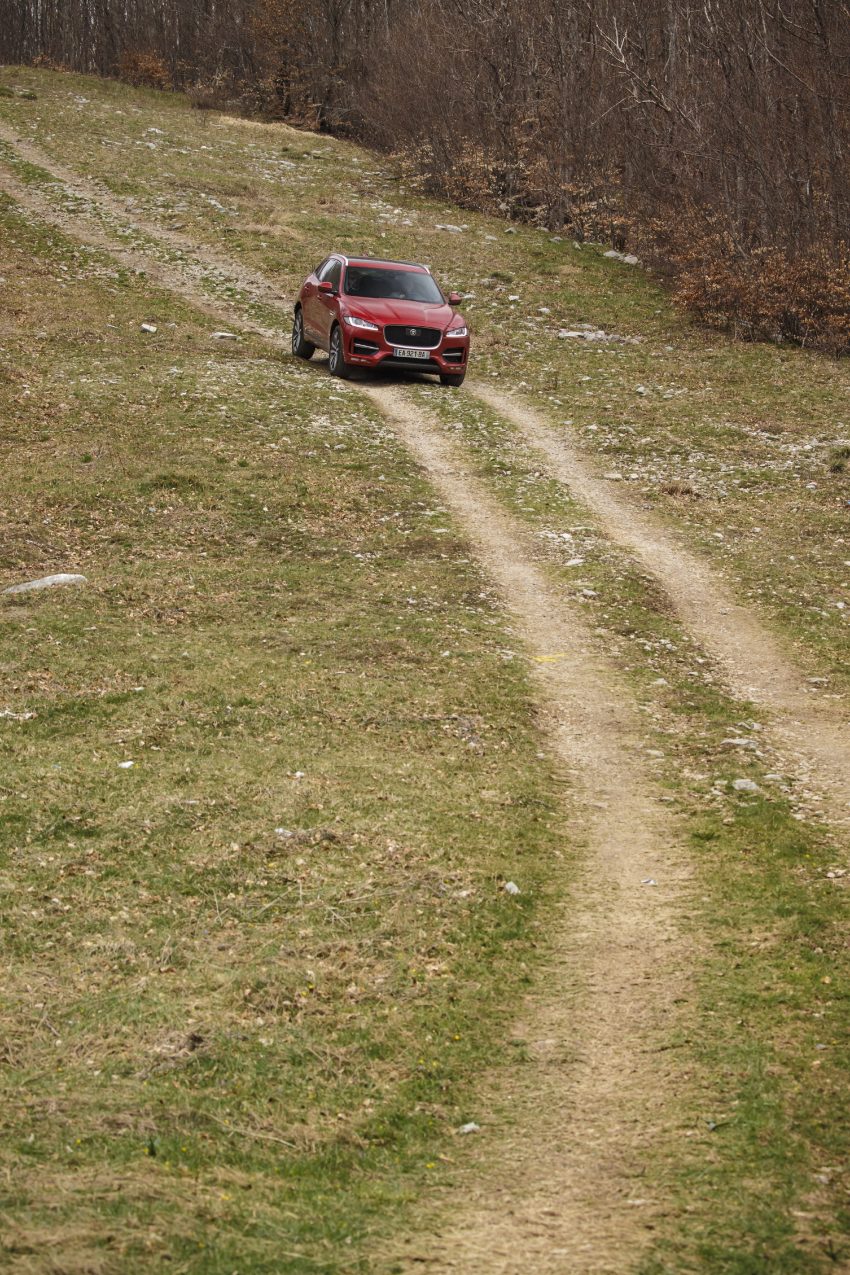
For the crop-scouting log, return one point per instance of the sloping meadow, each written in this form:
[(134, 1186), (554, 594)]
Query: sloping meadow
[(261, 781), (265, 775)]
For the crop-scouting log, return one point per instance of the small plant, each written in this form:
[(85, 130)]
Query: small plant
[(679, 489), (838, 459), (212, 94)]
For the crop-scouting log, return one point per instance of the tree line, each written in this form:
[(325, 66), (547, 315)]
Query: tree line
[(711, 136)]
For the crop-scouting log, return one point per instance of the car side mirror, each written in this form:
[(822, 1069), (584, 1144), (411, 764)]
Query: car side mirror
[(327, 287), (455, 298)]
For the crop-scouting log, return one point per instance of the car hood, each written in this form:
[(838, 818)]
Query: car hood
[(414, 313)]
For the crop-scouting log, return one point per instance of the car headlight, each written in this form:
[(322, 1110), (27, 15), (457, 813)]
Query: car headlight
[(354, 322), (461, 331)]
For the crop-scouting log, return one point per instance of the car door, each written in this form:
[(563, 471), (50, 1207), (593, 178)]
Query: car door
[(309, 300), (326, 303)]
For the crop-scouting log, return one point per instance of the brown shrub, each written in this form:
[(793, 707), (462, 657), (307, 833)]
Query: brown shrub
[(143, 69), (766, 293)]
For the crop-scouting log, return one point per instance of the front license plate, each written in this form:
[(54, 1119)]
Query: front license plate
[(411, 354)]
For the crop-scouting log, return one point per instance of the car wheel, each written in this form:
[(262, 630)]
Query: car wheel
[(336, 356), (301, 347), (452, 378)]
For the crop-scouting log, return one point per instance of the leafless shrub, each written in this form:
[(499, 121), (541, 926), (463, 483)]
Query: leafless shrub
[(211, 94)]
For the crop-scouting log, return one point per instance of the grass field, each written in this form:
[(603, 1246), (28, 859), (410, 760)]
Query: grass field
[(252, 980)]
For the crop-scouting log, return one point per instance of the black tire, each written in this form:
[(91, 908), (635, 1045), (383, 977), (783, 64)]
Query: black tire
[(452, 378), (301, 347), (337, 365)]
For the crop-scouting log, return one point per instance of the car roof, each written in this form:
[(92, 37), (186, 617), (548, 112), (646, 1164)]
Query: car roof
[(380, 262)]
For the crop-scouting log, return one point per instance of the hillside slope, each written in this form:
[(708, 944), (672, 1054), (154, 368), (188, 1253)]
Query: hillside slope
[(373, 651)]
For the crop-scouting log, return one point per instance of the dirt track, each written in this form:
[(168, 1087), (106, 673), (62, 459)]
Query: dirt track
[(559, 1199), (812, 734)]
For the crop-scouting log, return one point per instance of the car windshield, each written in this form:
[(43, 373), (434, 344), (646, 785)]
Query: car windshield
[(396, 285)]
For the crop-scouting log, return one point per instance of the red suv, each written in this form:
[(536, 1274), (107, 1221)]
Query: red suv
[(369, 313)]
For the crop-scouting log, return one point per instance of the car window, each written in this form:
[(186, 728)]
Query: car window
[(401, 284), (321, 270), (333, 274)]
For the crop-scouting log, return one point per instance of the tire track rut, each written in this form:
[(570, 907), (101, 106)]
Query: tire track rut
[(814, 737), (595, 1095), (96, 195)]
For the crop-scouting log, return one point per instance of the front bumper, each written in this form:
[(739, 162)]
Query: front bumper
[(371, 349)]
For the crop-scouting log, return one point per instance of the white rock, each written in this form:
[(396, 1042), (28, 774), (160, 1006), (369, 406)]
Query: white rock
[(745, 785), (628, 258), (225, 336), (739, 743), (453, 230), (471, 1127), (46, 582), (149, 327), (16, 717), (510, 887), (126, 765)]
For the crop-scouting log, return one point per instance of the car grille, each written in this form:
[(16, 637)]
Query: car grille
[(365, 347), (413, 338)]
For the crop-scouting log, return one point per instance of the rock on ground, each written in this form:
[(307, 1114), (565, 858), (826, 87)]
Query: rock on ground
[(46, 582)]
